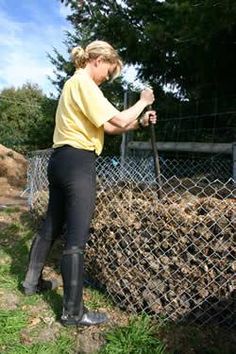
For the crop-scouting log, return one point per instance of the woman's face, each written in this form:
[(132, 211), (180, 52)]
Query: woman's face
[(102, 71)]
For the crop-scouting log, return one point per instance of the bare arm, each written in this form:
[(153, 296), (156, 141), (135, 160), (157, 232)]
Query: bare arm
[(129, 116), (110, 128), (149, 116)]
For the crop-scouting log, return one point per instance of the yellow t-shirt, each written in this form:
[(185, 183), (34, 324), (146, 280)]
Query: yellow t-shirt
[(82, 110)]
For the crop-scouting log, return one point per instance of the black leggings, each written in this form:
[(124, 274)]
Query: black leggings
[(72, 189)]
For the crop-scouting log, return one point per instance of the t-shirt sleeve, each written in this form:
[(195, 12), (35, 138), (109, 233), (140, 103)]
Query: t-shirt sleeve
[(91, 101)]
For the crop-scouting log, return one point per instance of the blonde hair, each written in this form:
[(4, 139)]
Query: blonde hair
[(81, 57)]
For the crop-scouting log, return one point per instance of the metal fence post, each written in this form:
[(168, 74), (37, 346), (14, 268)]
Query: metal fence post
[(123, 147), (234, 161)]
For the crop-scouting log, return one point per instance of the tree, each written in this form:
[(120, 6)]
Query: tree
[(189, 44), (26, 118)]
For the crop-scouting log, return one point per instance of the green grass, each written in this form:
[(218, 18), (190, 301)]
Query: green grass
[(138, 337), (95, 299), (15, 238), (10, 210), (12, 323)]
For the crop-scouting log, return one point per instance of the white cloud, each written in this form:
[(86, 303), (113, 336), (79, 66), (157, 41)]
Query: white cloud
[(20, 68), (23, 50)]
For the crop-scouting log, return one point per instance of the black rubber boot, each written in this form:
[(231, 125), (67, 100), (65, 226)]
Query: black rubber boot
[(89, 318), (74, 312), (33, 282), (42, 286)]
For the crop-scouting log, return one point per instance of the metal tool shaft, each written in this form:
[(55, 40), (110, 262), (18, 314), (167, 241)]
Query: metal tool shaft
[(156, 161)]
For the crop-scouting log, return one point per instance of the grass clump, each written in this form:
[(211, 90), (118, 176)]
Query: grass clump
[(138, 337), (61, 346), (13, 322), (95, 299)]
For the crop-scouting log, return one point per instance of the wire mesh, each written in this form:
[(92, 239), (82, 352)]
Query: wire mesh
[(174, 257)]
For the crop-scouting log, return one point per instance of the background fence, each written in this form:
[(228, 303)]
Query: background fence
[(174, 257)]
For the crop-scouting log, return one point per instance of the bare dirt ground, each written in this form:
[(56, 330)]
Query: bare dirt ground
[(10, 196)]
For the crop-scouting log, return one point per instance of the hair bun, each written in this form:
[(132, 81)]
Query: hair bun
[(79, 57)]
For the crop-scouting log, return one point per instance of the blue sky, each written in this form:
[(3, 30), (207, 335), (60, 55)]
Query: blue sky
[(29, 29)]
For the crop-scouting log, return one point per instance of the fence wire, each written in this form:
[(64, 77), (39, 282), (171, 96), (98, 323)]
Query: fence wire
[(174, 257)]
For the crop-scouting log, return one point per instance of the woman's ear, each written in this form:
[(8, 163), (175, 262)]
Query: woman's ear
[(98, 60)]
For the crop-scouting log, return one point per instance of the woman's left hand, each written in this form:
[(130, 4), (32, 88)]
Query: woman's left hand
[(148, 117)]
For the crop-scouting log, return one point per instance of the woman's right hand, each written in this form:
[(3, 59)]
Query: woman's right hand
[(147, 96)]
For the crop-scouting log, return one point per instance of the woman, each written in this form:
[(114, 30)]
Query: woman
[(83, 114)]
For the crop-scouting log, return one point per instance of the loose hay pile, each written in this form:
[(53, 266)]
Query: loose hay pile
[(175, 257), (13, 168)]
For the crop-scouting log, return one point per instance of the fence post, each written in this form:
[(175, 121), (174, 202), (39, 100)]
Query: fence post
[(234, 161), (123, 147)]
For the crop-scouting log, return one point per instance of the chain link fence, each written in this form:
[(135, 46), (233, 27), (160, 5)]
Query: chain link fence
[(173, 258)]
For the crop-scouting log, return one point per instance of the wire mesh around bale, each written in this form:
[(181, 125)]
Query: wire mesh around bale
[(174, 257)]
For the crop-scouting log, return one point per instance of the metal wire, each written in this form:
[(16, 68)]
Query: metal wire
[(174, 258)]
